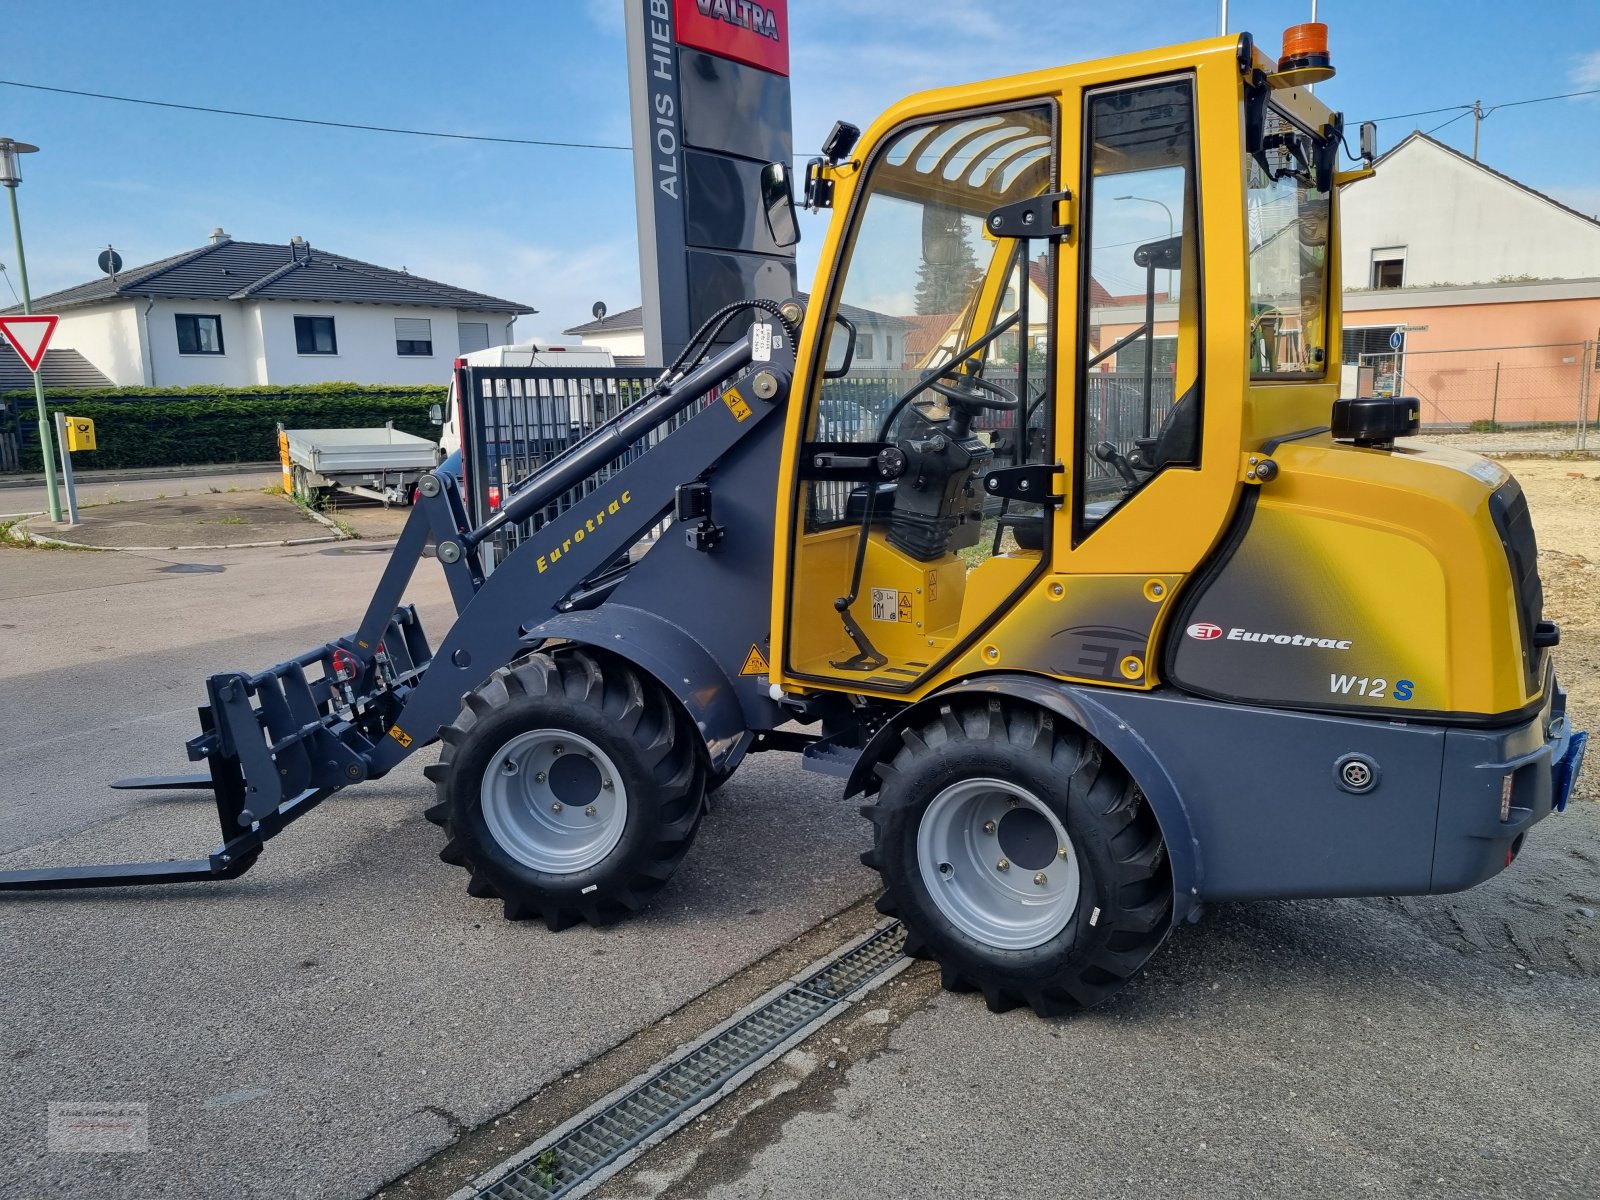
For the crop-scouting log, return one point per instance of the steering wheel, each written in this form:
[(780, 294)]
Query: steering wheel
[(973, 391)]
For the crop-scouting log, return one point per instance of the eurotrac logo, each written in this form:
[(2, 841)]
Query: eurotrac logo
[(1204, 631)]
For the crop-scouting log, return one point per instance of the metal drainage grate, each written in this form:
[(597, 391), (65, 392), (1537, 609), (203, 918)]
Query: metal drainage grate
[(579, 1155)]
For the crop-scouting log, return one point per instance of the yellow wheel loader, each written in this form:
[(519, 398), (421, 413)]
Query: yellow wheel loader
[(1039, 523)]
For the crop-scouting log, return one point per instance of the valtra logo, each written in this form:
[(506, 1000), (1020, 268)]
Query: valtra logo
[(1203, 631)]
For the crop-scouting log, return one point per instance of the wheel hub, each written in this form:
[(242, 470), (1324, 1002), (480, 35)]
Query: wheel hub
[(998, 864), (1027, 838), (554, 801)]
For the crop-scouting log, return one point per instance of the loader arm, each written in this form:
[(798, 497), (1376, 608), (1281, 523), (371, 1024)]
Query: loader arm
[(278, 743)]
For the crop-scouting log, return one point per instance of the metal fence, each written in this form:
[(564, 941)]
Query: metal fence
[(518, 419), (853, 408), (1497, 399)]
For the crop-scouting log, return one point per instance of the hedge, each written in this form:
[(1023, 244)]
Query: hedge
[(164, 427)]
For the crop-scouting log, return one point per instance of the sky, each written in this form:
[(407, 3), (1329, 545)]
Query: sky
[(554, 228)]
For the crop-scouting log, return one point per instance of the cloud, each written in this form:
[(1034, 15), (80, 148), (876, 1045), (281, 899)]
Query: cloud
[(606, 15), (561, 279), (1586, 70)]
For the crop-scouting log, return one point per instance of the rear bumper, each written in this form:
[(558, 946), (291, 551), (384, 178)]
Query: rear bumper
[(1496, 785)]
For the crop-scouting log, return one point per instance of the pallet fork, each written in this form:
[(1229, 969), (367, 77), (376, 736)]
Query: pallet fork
[(277, 744)]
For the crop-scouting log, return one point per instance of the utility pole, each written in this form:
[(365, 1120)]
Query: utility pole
[(11, 176), (1477, 120)]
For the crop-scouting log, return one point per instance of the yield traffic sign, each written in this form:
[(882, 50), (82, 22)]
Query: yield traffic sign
[(29, 336)]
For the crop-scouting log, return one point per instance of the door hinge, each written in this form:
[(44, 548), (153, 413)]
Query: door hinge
[(1036, 217), (1031, 482)]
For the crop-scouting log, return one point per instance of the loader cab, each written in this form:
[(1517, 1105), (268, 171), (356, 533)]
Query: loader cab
[(1037, 285)]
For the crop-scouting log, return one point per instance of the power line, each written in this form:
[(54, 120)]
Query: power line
[(512, 141), (1428, 112), (231, 112), (1466, 112)]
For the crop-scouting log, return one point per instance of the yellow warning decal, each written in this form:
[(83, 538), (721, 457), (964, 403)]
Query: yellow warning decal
[(736, 405), (400, 735), (755, 663)]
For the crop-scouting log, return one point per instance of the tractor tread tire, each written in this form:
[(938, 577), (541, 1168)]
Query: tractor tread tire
[(639, 725), (1126, 879)]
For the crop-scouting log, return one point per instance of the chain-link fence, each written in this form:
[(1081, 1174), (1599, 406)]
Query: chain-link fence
[(1498, 399)]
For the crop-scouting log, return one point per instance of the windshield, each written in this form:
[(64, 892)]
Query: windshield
[(1288, 221)]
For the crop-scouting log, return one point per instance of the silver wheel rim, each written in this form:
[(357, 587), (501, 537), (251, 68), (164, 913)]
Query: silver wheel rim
[(998, 863), (554, 801)]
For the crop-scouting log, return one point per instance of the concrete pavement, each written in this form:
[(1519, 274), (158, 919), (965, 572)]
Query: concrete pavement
[(20, 496), (320, 1025)]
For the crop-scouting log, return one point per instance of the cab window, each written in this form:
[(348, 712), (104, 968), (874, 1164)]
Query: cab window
[(1139, 377)]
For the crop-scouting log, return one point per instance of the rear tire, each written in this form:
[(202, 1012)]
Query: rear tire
[(968, 832), (570, 787)]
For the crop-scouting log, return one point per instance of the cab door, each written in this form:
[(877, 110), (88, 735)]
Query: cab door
[(929, 399)]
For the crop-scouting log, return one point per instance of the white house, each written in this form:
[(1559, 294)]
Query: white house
[(880, 339), (1432, 216), (245, 313)]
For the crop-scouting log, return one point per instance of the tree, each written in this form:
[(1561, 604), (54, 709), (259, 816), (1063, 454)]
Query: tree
[(949, 269)]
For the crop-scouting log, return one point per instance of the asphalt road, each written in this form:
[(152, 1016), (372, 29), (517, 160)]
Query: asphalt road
[(345, 1010), (320, 1025)]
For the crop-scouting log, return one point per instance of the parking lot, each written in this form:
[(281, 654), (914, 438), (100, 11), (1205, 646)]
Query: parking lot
[(345, 1013)]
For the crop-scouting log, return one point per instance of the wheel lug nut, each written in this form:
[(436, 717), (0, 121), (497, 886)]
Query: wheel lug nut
[(1062, 854), (559, 748), (606, 784), (590, 811), (1004, 864), (539, 778), (988, 826), (556, 807), (1041, 879), (1011, 802)]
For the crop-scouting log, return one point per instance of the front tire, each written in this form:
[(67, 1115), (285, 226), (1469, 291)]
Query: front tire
[(1020, 856), (570, 788)]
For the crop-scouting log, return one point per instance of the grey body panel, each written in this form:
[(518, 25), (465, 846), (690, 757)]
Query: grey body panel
[(1250, 802)]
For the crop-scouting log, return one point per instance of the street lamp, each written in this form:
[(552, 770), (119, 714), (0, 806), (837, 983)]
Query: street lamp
[(11, 175), (1170, 227)]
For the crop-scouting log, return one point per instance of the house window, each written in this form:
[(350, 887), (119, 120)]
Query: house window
[(888, 346), (1368, 339), (472, 335), (864, 346), (314, 335), (413, 337), (199, 334), (1389, 267)]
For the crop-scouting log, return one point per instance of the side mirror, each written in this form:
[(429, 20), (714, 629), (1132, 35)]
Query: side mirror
[(943, 239), (435, 415), (777, 198), (839, 360), (1369, 141)]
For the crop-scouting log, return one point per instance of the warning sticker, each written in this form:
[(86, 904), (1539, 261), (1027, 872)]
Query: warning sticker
[(891, 604), (761, 342), (933, 585), (755, 663), (736, 405), (400, 735)]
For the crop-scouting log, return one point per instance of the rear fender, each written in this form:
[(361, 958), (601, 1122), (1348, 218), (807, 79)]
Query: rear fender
[(665, 652), (1079, 706)]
